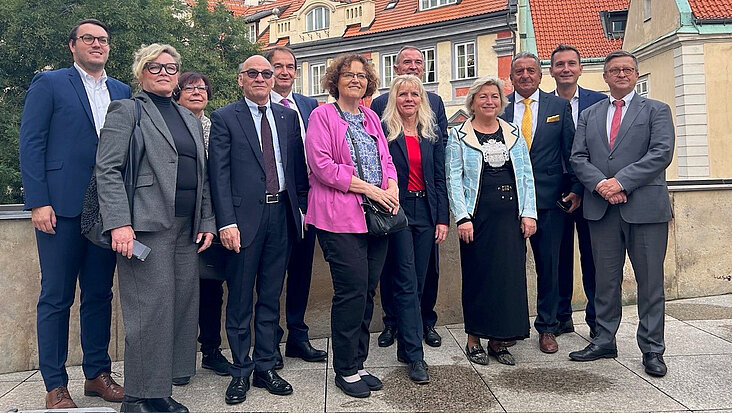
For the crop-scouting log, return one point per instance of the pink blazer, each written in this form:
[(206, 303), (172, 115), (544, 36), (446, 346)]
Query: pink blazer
[(331, 207)]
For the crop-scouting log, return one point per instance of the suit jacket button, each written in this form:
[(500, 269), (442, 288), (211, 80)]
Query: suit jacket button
[(262, 178), (261, 201), (610, 157)]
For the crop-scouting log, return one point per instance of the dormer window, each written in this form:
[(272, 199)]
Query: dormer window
[(431, 4), (317, 19), (613, 23)]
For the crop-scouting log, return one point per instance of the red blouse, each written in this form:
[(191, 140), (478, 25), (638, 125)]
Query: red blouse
[(414, 153)]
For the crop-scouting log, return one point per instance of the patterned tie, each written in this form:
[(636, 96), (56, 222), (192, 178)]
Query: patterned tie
[(617, 116), (285, 102), (268, 155), (526, 121)]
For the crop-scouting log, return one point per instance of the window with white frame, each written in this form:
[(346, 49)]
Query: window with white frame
[(252, 34), (297, 84), (387, 72), (430, 72), (641, 87), (317, 19), (465, 60), (431, 4), (316, 72)]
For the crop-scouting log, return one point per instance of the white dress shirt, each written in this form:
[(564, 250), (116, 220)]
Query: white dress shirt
[(611, 111), (257, 116), (98, 95), (575, 104), (277, 98), (518, 110)]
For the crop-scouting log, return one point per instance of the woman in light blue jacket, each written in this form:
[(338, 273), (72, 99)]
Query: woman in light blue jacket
[(490, 186)]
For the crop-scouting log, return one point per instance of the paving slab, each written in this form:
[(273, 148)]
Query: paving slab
[(467, 392), (704, 308), (566, 386), (17, 376), (719, 328), (5, 387), (700, 382), (30, 395)]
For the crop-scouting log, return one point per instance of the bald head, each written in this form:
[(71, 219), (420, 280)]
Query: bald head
[(255, 79)]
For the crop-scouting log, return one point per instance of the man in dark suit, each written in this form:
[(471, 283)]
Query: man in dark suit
[(410, 61), (566, 69), (63, 114), (300, 267), (621, 151), (546, 124), (259, 186)]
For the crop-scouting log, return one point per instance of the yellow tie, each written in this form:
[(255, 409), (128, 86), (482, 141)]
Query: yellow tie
[(526, 121)]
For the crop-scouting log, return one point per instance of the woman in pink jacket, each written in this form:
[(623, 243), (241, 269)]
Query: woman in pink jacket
[(334, 208)]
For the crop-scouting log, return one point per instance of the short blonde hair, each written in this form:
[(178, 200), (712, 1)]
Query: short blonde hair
[(146, 54), (425, 116), (477, 85)]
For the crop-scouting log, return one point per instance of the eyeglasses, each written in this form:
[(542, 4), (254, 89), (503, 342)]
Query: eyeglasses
[(155, 68), (253, 73), (627, 71), (89, 39), (350, 76), (191, 88)]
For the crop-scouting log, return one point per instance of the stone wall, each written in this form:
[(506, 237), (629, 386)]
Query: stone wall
[(698, 263)]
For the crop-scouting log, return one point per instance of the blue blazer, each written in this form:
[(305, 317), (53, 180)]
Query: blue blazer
[(305, 105), (236, 168), (550, 148), (58, 140), (438, 108), (588, 98)]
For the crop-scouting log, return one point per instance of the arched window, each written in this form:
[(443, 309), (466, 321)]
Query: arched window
[(317, 19)]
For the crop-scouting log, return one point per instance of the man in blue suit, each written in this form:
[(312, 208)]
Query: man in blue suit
[(546, 124), (63, 114), (410, 61), (300, 266), (566, 69)]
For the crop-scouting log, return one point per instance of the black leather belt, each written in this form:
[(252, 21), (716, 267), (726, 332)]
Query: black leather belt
[(416, 194), (272, 199)]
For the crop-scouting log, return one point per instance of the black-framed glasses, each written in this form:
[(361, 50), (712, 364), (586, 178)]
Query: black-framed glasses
[(627, 71), (192, 88), (253, 73), (155, 68), (88, 39), (350, 76)]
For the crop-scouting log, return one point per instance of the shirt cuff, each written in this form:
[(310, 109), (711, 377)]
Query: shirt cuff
[(228, 226)]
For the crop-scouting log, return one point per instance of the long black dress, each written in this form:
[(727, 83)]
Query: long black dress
[(495, 304)]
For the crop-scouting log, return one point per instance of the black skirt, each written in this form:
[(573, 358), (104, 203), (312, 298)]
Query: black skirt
[(495, 304)]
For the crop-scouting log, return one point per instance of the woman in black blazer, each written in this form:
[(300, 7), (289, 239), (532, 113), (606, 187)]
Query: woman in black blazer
[(419, 157)]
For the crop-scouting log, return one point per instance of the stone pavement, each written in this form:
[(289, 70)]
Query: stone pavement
[(698, 355)]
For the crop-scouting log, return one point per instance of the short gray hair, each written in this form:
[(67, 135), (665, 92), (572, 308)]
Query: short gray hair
[(477, 85), (524, 55), (619, 53), (407, 47)]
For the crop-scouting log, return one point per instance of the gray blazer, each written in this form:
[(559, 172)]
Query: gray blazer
[(642, 151), (154, 203)]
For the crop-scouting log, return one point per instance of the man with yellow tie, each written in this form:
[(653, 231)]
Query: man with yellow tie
[(546, 124)]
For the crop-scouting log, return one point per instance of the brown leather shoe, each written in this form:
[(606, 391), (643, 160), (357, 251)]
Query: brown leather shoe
[(547, 343), (59, 398), (105, 387)]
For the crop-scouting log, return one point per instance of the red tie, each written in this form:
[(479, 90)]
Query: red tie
[(615, 125)]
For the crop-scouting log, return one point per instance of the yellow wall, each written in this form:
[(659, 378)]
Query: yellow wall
[(487, 59), (591, 79), (665, 18), (718, 74), (444, 72)]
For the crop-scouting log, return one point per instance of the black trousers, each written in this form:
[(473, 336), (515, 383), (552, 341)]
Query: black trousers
[(299, 275), (566, 267), (356, 262), (545, 243), (429, 293), (209, 314)]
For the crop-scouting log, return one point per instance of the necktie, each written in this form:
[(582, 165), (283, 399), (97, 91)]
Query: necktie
[(526, 121), (617, 116), (285, 102), (268, 155)]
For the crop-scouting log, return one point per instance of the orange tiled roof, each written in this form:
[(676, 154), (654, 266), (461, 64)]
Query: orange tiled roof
[(711, 9), (583, 31)]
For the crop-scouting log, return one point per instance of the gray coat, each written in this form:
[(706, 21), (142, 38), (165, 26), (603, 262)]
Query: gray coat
[(154, 202)]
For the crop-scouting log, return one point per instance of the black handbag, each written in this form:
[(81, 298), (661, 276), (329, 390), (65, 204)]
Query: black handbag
[(91, 217), (379, 221)]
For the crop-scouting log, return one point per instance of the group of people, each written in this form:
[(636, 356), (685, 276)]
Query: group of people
[(242, 196)]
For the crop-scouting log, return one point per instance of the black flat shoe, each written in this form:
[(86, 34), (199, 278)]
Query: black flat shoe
[(654, 364), (305, 351), (358, 389), (181, 381), (279, 363), (476, 354), (593, 352), (167, 404), (418, 372), (386, 338), (431, 337), (502, 355), (565, 327), (217, 362), (134, 404), (270, 380), (372, 382), (237, 390)]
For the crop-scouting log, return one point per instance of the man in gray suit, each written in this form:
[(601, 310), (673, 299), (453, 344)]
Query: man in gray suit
[(621, 150)]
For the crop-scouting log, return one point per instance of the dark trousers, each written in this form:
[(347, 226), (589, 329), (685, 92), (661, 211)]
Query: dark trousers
[(429, 293), (209, 314), (262, 265), (566, 268), (65, 257), (646, 246), (299, 274), (545, 243), (356, 262)]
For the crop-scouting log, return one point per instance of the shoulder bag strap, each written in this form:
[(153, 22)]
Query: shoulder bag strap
[(366, 200)]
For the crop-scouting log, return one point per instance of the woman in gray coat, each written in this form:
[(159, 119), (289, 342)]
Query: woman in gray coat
[(172, 215)]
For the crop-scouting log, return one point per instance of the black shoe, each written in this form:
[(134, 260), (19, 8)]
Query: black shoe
[(372, 382), (237, 390), (565, 327), (181, 381), (167, 404), (217, 362), (305, 351), (502, 355), (431, 337), (418, 372), (654, 364), (476, 354), (134, 404), (593, 352), (279, 363), (357, 389), (386, 338), (270, 380)]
